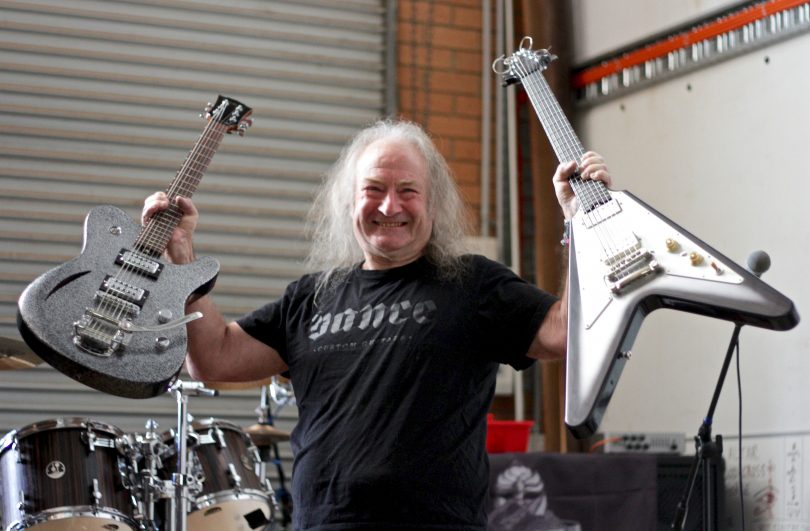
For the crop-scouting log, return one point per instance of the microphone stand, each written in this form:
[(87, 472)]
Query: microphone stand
[(706, 452)]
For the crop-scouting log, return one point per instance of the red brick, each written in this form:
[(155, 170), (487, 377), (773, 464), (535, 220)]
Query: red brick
[(468, 150), (466, 172), (467, 18), (465, 3), (464, 61), (454, 127), (439, 58), (436, 102), (426, 12), (454, 83), (468, 106), (457, 39)]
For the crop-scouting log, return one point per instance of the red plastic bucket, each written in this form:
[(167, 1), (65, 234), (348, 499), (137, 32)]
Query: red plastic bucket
[(507, 435)]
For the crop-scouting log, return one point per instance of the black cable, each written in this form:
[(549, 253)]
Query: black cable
[(739, 440)]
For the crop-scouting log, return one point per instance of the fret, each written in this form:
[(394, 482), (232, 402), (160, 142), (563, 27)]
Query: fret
[(526, 66), (155, 235)]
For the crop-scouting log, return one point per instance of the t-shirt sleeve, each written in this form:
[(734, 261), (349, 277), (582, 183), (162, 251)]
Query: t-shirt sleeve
[(510, 311), (268, 323)]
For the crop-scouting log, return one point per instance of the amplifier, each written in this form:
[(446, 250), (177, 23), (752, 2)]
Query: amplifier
[(673, 475), (646, 442)]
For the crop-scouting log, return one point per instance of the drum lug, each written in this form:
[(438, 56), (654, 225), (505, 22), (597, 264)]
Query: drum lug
[(96, 494), (236, 479), (218, 437), (90, 438), (21, 505)]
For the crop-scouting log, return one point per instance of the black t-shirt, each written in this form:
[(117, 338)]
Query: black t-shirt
[(394, 372)]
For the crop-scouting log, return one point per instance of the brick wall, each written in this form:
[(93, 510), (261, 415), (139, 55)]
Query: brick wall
[(439, 69)]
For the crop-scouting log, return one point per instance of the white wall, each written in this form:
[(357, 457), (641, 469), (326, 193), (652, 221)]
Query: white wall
[(724, 152), (600, 27)]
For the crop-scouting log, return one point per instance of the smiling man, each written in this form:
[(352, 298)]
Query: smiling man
[(392, 343)]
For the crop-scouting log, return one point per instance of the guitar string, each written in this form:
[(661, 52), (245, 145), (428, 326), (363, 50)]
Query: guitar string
[(126, 272), (158, 231), (589, 192), (545, 106)]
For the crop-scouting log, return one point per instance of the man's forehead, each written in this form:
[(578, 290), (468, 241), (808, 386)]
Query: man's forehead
[(391, 153)]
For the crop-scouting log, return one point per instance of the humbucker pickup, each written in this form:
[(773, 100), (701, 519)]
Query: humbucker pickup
[(124, 291), (139, 263)]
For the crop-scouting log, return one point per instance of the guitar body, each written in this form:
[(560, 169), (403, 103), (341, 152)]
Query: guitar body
[(150, 361), (113, 318), (690, 276), (626, 260)]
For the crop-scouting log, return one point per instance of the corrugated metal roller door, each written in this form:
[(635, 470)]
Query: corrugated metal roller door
[(100, 104)]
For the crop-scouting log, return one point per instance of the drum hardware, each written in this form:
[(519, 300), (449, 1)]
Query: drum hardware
[(181, 480), (15, 354), (266, 437), (65, 473), (148, 488), (233, 496)]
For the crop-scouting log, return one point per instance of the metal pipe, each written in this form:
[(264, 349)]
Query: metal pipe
[(486, 112), (391, 94), (514, 200)]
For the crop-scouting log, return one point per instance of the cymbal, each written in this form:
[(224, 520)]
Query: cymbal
[(264, 434), (15, 354), (238, 386)]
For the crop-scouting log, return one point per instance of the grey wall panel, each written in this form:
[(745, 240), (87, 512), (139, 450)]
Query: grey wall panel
[(99, 104)]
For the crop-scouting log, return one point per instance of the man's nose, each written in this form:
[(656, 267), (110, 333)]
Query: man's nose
[(390, 204)]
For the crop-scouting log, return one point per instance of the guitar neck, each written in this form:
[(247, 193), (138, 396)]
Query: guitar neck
[(155, 235), (563, 139)]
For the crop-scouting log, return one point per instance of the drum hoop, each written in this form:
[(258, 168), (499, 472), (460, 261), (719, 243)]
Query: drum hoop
[(60, 513), (59, 423), (209, 500), (64, 423), (207, 424)]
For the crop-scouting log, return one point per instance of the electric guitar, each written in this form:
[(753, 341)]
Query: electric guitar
[(626, 260), (113, 318)]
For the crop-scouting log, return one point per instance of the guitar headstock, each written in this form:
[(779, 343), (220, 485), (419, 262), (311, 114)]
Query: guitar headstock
[(522, 62), (230, 113)]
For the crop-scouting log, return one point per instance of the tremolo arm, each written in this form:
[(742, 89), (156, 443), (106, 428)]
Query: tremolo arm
[(107, 327)]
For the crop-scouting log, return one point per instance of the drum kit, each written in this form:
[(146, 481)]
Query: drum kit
[(79, 474)]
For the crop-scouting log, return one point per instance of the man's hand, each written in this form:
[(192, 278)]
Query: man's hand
[(592, 166), (179, 249)]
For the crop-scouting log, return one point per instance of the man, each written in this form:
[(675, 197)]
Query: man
[(394, 346)]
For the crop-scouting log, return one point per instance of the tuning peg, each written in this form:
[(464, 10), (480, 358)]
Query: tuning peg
[(207, 110)]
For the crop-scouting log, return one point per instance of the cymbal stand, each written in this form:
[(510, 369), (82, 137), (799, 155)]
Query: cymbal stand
[(270, 454), (181, 479)]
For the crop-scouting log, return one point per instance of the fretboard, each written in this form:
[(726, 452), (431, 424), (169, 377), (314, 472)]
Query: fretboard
[(155, 235), (564, 141)]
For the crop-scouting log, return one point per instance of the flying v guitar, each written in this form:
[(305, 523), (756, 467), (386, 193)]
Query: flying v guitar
[(113, 318), (626, 260)]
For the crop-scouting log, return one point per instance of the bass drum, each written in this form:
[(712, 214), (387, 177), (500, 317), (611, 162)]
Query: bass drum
[(232, 496), (65, 475)]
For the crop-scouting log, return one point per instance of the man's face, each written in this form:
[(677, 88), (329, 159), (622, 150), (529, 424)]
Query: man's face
[(391, 219)]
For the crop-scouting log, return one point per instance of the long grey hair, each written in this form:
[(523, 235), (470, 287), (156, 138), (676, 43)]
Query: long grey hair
[(334, 248)]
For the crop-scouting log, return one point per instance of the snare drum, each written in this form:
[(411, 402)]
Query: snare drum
[(65, 474), (233, 496)]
